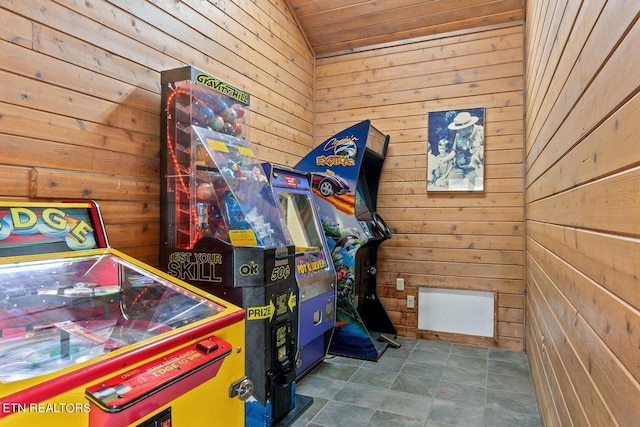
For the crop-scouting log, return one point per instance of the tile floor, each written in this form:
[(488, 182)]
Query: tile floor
[(424, 383)]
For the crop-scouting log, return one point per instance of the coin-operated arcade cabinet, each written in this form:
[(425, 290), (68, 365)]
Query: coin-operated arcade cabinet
[(92, 337), (345, 172), (314, 268), (222, 231)]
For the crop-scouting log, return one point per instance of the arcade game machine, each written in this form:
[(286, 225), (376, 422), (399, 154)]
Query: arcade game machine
[(345, 172), (92, 337), (314, 267), (222, 231)]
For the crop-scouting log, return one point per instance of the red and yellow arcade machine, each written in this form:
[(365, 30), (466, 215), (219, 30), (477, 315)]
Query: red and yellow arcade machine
[(93, 337)]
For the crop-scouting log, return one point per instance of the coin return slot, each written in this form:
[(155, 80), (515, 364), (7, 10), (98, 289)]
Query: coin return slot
[(317, 317)]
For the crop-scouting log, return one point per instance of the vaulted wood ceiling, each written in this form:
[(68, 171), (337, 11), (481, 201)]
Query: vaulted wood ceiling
[(338, 26)]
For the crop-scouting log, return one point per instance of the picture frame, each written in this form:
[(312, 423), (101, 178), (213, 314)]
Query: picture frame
[(455, 151)]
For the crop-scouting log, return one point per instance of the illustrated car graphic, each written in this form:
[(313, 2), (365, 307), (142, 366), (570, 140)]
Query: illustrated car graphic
[(329, 183)]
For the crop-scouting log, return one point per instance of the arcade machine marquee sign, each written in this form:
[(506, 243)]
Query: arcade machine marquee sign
[(27, 229)]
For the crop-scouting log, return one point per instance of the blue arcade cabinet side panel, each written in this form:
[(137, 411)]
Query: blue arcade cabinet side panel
[(345, 171)]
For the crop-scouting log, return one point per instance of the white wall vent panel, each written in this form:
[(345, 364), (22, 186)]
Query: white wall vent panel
[(457, 311)]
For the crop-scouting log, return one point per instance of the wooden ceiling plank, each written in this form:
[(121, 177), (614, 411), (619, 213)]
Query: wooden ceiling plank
[(468, 24), (343, 25), (361, 14), (402, 20)]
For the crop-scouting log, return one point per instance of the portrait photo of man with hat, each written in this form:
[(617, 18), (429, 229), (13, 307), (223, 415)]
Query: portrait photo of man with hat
[(464, 129)]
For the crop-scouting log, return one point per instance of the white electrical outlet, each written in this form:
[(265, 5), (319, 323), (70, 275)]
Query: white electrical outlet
[(400, 284), (411, 301)]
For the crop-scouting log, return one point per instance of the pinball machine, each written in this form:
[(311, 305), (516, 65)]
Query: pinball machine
[(222, 231), (93, 337), (345, 172)]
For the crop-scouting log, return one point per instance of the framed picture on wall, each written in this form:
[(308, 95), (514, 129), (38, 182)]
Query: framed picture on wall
[(455, 152)]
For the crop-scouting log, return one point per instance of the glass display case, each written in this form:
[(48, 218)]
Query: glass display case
[(91, 336), (57, 313), (232, 196)]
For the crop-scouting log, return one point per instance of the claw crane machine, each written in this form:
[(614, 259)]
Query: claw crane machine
[(221, 230), (92, 337), (315, 274)]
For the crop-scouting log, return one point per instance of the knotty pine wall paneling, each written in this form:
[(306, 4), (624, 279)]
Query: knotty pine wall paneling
[(80, 96), (583, 210), (453, 240)]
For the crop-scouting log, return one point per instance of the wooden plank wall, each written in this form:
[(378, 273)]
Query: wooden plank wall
[(80, 96), (583, 210), (461, 241)]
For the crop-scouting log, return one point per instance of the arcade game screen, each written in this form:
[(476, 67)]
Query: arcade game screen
[(362, 205), (298, 215), (59, 312)]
